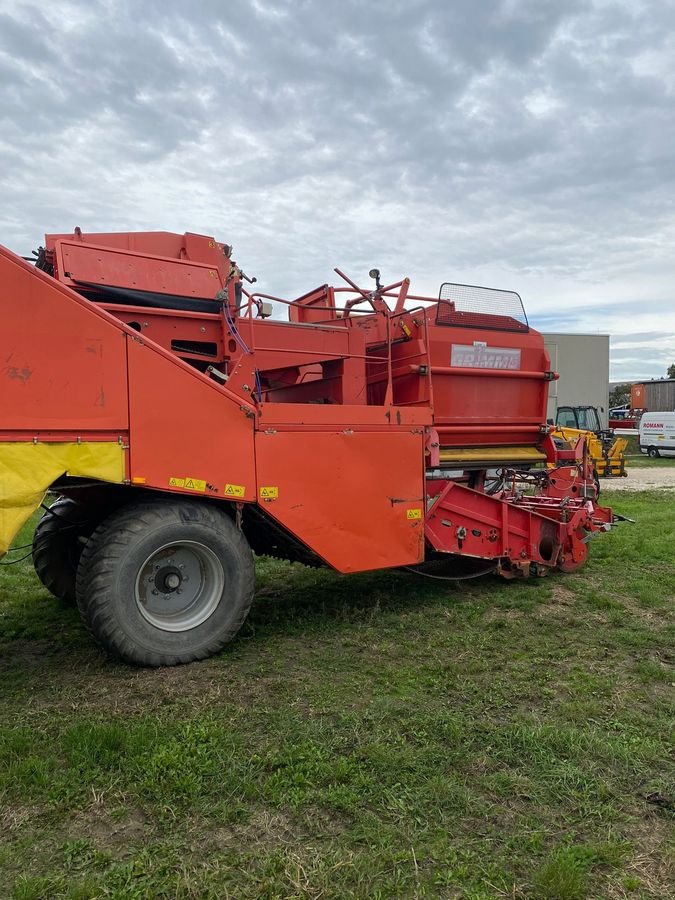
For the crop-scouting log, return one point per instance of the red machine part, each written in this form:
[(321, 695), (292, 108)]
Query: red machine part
[(519, 537), (110, 266), (360, 439)]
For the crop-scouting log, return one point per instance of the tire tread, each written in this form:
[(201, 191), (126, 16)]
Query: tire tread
[(96, 577), (49, 562)]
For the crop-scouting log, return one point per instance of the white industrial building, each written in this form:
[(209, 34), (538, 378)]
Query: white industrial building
[(582, 361)]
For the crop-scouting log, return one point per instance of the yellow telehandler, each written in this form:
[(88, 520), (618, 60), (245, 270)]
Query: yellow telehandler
[(606, 450)]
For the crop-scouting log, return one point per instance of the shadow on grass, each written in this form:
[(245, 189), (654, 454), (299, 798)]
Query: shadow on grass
[(293, 598), (37, 631)]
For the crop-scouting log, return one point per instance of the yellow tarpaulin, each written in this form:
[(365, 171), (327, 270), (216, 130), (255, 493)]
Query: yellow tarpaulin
[(27, 470)]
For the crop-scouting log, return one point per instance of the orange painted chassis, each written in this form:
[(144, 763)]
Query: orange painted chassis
[(325, 433)]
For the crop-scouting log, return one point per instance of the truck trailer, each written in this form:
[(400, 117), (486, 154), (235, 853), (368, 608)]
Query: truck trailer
[(183, 428)]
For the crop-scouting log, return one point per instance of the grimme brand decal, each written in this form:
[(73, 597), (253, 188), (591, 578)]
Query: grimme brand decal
[(479, 356)]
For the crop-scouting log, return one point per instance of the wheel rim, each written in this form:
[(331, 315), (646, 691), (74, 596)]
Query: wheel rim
[(179, 586)]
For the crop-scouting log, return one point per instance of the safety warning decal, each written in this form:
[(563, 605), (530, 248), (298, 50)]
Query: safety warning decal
[(188, 484), (235, 490), (413, 513), (271, 492)]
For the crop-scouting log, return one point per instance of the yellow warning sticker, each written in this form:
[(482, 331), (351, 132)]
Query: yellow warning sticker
[(269, 493), (235, 490), (413, 513), (188, 484)]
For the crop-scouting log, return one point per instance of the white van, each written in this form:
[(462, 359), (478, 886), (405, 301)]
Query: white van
[(657, 434)]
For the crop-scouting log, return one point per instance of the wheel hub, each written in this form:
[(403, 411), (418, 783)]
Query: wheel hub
[(168, 579), (179, 586)]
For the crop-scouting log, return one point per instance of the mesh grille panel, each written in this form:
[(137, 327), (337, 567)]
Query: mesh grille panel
[(480, 307)]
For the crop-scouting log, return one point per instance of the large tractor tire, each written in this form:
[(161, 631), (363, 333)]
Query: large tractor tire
[(57, 546), (165, 582)]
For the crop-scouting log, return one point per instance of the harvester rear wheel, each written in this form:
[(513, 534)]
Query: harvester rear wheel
[(162, 583), (57, 546)]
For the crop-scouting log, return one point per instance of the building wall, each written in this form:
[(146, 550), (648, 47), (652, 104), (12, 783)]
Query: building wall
[(660, 395), (582, 360)]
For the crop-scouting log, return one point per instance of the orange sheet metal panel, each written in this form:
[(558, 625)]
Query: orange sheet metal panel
[(308, 414), (62, 363), (186, 433), (486, 379), (155, 243), (195, 247), (88, 264), (355, 497)]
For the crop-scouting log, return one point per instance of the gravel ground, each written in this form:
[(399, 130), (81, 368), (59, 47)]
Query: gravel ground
[(647, 479)]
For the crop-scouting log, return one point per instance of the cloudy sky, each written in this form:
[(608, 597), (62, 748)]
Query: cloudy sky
[(524, 144)]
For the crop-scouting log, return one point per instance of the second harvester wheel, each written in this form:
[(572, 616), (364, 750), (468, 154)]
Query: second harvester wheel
[(57, 546), (164, 582)]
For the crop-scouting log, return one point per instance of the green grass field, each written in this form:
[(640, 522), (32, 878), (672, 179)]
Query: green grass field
[(375, 736)]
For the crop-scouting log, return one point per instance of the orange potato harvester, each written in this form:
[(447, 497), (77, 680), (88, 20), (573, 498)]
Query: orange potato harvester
[(185, 420)]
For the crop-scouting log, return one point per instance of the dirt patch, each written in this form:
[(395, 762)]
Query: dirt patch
[(502, 615), (270, 829), (654, 478), (117, 690), (560, 606), (13, 817), (265, 829), (29, 653), (653, 861), (108, 834)]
